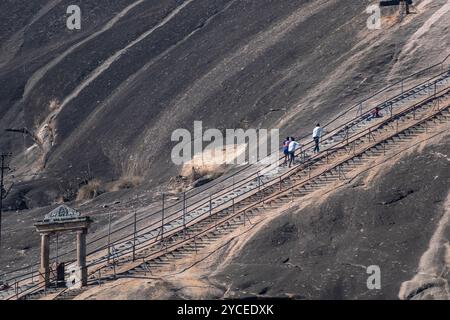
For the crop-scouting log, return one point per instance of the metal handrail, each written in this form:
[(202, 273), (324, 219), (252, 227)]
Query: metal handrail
[(289, 189), (252, 176), (253, 191), (206, 199), (277, 194), (355, 137), (143, 228)]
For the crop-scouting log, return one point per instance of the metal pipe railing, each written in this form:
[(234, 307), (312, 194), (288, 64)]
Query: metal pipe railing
[(291, 188), (251, 177)]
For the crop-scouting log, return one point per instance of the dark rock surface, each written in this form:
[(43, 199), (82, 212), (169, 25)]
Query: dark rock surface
[(113, 92), (103, 102)]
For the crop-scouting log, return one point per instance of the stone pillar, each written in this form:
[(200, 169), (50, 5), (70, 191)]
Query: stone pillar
[(44, 270), (81, 256)]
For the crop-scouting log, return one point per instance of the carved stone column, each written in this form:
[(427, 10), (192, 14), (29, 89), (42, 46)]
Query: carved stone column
[(44, 270), (81, 256)]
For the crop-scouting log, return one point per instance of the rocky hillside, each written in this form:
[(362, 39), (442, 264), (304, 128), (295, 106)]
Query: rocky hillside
[(102, 102), (393, 214), (91, 111)]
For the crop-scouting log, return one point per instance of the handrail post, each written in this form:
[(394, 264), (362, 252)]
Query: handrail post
[(259, 181), (134, 235), (210, 205), (195, 245), (259, 186), (109, 237), (217, 220), (184, 214), (162, 220)]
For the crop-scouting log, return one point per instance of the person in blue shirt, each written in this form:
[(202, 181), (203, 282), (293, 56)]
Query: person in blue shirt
[(286, 150)]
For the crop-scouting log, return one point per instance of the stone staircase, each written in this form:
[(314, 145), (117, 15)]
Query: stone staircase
[(296, 186), (253, 185), (195, 229)]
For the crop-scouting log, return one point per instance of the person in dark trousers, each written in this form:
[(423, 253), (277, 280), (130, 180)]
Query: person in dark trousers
[(375, 113), (317, 134), (293, 145), (286, 150)]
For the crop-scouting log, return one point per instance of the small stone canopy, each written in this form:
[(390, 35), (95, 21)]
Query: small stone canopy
[(63, 219), (61, 213)]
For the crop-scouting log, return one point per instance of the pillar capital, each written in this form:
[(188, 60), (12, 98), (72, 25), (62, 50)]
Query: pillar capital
[(81, 231)]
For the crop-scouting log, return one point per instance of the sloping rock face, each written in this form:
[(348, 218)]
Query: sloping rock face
[(106, 98), (396, 220)]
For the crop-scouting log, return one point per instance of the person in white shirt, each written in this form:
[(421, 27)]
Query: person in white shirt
[(317, 134), (293, 145)]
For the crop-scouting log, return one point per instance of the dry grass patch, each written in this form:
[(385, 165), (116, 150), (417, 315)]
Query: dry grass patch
[(93, 189), (124, 183)]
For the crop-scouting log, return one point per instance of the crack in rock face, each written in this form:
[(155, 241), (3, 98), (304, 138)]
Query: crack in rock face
[(397, 196), (431, 281)]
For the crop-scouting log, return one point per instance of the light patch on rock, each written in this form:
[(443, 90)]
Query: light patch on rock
[(212, 160), (441, 155), (415, 42)]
